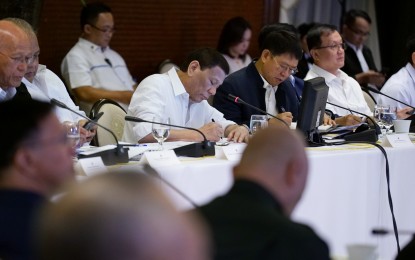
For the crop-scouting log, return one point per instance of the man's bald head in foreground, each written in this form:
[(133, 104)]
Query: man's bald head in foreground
[(275, 159)]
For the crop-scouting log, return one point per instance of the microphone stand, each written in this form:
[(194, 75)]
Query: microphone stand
[(240, 101), (117, 155), (383, 94), (205, 148)]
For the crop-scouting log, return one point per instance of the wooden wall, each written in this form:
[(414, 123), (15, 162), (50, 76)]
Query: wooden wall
[(149, 31)]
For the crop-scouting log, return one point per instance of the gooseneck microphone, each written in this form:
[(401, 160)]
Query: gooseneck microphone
[(382, 232), (238, 100), (383, 94), (192, 150), (376, 126), (109, 157)]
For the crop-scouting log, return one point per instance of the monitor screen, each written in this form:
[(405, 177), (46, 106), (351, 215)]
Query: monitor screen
[(312, 108)]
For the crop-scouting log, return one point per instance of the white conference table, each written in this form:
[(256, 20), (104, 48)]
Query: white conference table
[(344, 199)]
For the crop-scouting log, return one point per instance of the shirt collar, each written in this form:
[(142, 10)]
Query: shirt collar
[(92, 46), (178, 87), (354, 47)]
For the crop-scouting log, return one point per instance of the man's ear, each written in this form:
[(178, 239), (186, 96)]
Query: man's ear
[(314, 54), (87, 29), (193, 67), (24, 159), (265, 55), (413, 57)]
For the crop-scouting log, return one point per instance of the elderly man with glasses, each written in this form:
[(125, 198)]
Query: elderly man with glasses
[(91, 68), (15, 56), (264, 83)]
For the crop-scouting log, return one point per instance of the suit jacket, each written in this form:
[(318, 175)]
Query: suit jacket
[(248, 85), (303, 67), (351, 62), (248, 223)]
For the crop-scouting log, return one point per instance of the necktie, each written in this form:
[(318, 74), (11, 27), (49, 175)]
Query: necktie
[(22, 93)]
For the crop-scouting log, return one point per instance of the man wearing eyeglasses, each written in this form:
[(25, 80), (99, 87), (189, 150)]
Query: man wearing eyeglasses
[(359, 62), (91, 68), (15, 55), (263, 83)]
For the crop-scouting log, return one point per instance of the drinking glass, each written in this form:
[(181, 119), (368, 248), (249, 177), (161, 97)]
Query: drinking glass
[(73, 132), (258, 122), (387, 118), (377, 112), (160, 132)]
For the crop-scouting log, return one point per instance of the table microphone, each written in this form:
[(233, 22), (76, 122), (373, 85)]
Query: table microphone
[(370, 135), (109, 157), (383, 94), (238, 100), (191, 150)]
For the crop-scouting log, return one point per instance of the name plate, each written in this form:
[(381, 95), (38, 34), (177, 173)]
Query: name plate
[(232, 152), (92, 166), (160, 158), (397, 140)]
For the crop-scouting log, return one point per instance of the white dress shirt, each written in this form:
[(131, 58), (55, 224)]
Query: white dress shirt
[(401, 86), (7, 93), (47, 85), (163, 95), (344, 91)]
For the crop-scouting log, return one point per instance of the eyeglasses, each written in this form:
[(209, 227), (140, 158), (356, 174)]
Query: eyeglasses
[(107, 30), (359, 32), (285, 67), (334, 47), (21, 59)]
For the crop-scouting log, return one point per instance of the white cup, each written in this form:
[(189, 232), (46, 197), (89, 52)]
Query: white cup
[(361, 252), (401, 126)]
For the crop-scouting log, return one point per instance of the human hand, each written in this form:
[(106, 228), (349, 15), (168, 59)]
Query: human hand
[(348, 120), (212, 131), (238, 133), (286, 116), (328, 121), (404, 112), (371, 77)]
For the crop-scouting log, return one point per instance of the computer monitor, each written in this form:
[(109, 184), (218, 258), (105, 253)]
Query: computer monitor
[(312, 108)]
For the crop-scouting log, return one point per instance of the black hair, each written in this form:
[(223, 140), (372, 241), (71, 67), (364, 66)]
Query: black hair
[(304, 28), (282, 42), (315, 33), (350, 17), (22, 118), (232, 34), (410, 48), (91, 11), (271, 28), (207, 58)]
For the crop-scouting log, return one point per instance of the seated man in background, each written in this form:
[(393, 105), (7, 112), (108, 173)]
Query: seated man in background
[(35, 159), (252, 221), (15, 56), (42, 84), (264, 83), (359, 63), (119, 215), (182, 96), (91, 68), (327, 49), (306, 61), (401, 85)]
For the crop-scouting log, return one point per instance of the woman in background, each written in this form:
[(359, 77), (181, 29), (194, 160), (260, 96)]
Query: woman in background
[(234, 43)]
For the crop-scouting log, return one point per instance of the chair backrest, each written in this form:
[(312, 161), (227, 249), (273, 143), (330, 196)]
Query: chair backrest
[(369, 100), (113, 118), (166, 65)]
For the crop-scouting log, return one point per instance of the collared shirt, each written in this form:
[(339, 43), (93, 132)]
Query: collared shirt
[(343, 91), (7, 93), (163, 95), (47, 85), (87, 64), (359, 54), (401, 86), (270, 101)]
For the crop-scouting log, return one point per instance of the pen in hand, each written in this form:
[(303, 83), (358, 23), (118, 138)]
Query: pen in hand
[(213, 120)]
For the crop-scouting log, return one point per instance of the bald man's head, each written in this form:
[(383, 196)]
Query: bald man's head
[(15, 50), (275, 158)]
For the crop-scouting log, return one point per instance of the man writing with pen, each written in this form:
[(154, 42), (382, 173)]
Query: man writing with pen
[(264, 83), (181, 95)]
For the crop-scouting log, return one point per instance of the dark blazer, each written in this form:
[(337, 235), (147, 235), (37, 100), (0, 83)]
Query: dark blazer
[(303, 66), (248, 223), (248, 85), (351, 62)]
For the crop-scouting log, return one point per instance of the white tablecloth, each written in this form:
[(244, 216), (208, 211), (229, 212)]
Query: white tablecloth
[(345, 197)]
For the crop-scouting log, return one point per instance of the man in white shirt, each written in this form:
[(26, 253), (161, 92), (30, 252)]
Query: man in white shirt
[(327, 49), (15, 55), (91, 68), (182, 96)]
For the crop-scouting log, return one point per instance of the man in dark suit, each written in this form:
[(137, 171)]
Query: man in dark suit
[(359, 62), (264, 83), (252, 221)]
